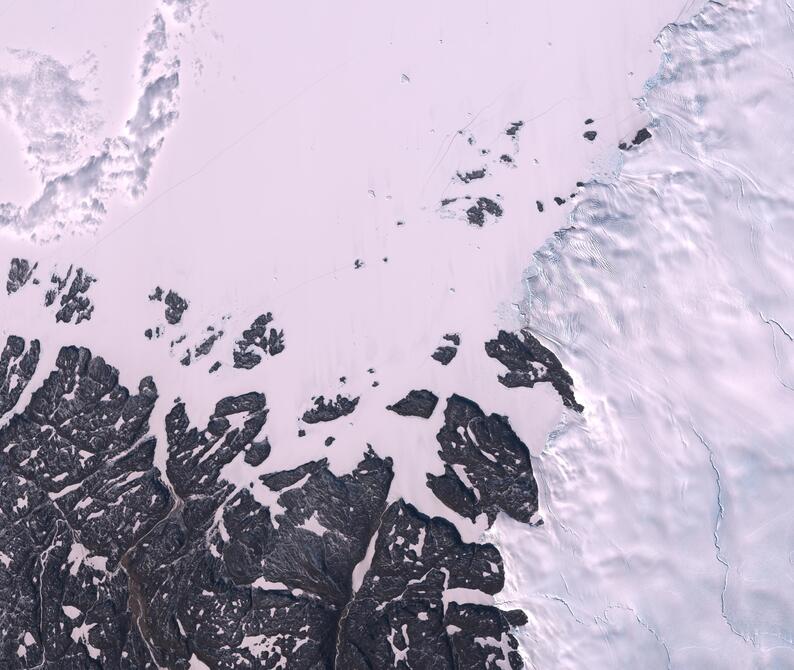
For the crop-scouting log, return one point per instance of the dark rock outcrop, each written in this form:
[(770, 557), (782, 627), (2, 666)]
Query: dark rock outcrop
[(642, 135), (74, 302), (529, 363), (19, 274), (225, 580), (444, 354), (493, 460), (419, 403), (202, 348), (453, 337), (175, 307), (513, 128), (467, 177), (476, 213), (398, 617), (103, 565), (329, 410), (175, 304), (259, 336), (17, 367), (77, 490)]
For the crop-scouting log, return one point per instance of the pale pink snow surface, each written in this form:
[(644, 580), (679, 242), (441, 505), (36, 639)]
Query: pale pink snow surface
[(247, 156)]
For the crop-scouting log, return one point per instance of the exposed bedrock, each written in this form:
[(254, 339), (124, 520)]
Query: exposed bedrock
[(19, 272), (74, 303), (103, 564), (259, 340), (487, 467), (398, 618), (330, 410), (419, 403), (77, 490), (17, 366), (529, 363)]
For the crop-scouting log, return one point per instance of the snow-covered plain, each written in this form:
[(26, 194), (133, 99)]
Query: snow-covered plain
[(297, 150), (247, 158)]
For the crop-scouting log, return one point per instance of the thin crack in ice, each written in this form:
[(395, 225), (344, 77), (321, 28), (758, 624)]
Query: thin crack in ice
[(645, 625), (772, 323), (718, 547)]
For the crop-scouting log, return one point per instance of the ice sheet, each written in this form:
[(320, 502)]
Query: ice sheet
[(669, 540)]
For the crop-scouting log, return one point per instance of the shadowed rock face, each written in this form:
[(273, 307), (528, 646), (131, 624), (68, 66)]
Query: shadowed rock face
[(104, 565), (417, 403), (495, 462), (529, 362)]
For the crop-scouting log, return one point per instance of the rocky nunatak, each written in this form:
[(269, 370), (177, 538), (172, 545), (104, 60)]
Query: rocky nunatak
[(420, 403), (258, 340), (105, 564), (19, 273), (496, 464), (175, 304), (528, 363), (72, 302)]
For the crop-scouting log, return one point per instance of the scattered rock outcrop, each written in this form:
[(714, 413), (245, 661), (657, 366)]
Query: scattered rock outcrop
[(476, 213), (175, 304), (446, 352), (74, 303), (513, 128), (642, 135), (258, 340)]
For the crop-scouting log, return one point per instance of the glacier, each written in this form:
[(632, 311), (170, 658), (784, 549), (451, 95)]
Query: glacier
[(669, 541)]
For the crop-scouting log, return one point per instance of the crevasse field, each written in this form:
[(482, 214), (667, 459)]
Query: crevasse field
[(356, 336)]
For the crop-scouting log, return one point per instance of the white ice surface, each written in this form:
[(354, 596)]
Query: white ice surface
[(669, 506)]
